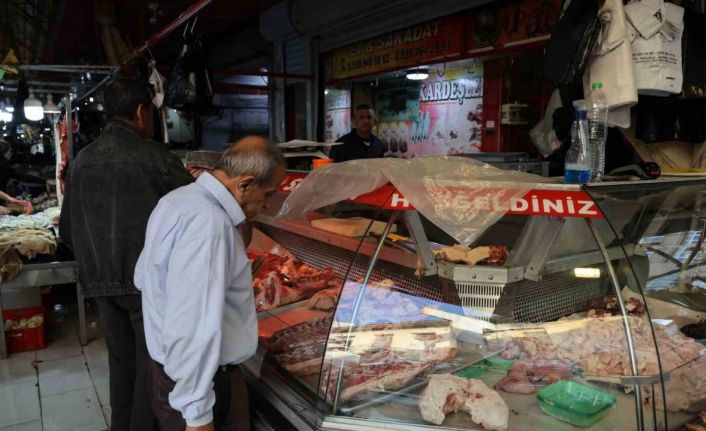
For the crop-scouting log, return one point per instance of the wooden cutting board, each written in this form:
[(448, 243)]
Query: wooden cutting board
[(353, 227), (271, 325)]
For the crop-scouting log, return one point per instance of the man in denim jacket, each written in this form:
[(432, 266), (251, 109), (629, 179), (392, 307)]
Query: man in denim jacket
[(113, 186)]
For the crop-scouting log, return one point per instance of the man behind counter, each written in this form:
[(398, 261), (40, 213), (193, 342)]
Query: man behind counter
[(359, 143)]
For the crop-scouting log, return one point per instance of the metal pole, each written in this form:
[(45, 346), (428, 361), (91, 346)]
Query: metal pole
[(626, 320), (69, 118), (3, 342), (359, 299), (98, 70), (181, 19)]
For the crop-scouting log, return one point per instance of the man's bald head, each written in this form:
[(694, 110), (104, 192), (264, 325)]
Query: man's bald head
[(251, 143), (252, 155)]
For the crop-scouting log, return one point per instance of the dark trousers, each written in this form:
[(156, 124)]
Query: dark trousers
[(127, 360), (230, 413)]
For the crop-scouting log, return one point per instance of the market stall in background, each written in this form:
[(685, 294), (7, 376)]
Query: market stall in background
[(416, 291), (458, 85)]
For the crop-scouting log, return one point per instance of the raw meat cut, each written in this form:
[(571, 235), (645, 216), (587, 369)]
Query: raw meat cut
[(447, 394), (324, 300), (599, 347), (311, 332), (300, 348), (524, 376), (608, 305), (281, 281), (490, 255), (381, 370)]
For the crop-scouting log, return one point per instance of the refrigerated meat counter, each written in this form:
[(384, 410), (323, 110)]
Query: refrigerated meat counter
[(578, 306)]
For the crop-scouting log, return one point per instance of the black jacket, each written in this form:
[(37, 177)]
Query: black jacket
[(113, 186), (354, 148)]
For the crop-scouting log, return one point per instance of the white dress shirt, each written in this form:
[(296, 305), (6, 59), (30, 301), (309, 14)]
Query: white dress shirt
[(197, 298)]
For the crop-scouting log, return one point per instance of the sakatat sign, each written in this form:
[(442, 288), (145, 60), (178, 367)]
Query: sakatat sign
[(419, 44)]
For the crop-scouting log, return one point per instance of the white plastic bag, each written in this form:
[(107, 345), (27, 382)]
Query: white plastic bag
[(612, 64), (657, 59), (543, 135), (460, 195)]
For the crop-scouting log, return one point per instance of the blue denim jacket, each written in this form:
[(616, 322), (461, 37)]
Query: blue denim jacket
[(113, 186)]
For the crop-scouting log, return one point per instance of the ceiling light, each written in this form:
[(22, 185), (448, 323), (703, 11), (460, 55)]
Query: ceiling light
[(5, 116), (50, 107), (33, 108), (587, 272), (90, 99), (418, 74)]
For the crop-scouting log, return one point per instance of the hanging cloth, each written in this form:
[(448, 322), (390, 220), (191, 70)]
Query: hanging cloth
[(156, 80)]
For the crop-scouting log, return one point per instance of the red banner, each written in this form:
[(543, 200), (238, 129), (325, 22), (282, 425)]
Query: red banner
[(553, 203)]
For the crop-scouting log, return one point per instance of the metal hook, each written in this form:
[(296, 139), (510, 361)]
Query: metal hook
[(441, 74), (149, 51), (189, 28)]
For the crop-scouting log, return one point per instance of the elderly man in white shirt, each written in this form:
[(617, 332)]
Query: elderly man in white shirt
[(197, 297)]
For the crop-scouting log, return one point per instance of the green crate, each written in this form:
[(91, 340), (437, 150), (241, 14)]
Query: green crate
[(572, 402), (472, 372), (503, 364)]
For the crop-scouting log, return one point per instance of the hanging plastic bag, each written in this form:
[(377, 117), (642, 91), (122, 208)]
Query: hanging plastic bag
[(695, 55), (191, 78), (657, 29), (543, 135), (459, 195), (612, 64)]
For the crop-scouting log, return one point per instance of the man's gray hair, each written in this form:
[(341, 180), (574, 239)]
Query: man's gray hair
[(259, 161)]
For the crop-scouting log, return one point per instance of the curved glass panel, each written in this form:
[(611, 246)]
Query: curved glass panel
[(663, 237), (515, 332)]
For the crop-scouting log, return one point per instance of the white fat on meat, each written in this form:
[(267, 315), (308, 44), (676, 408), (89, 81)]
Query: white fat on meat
[(446, 393)]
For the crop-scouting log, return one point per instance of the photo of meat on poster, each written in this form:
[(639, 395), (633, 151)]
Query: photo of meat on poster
[(448, 119), (338, 114)]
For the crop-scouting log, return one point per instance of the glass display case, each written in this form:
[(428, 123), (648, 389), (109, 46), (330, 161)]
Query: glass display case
[(576, 307)]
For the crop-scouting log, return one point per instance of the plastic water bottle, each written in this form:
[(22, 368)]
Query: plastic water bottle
[(598, 129), (577, 168)]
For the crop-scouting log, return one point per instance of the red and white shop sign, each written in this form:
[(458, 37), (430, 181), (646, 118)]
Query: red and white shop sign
[(554, 203)]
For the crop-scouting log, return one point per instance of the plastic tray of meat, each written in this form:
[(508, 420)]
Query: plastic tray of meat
[(415, 385), (380, 397)]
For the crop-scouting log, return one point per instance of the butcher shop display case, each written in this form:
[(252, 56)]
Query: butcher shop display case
[(463, 298)]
